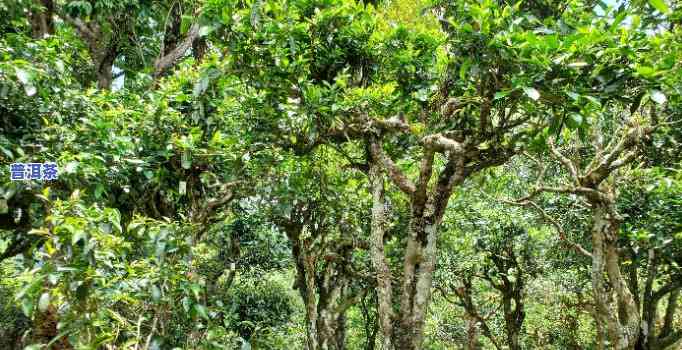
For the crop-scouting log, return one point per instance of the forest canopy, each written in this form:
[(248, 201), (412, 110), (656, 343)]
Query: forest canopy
[(340, 174)]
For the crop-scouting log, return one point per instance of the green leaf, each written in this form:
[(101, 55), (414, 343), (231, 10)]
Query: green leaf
[(201, 311), (660, 5), (99, 189), (185, 23), (532, 93), (27, 307), (134, 225), (658, 96), (577, 64), (500, 94), (22, 75), (645, 71), (574, 121), (205, 30), (618, 20), (135, 161), (186, 160), (464, 69), (196, 289), (30, 90), (44, 302), (156, 293), (201, 85), (85, 6), (594, 100), (186, 303)]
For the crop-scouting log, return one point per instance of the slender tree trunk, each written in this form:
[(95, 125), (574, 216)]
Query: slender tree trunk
[(419, 264), (513, 339), (370, 318), (326, 321), (406, 331), (45, 328), (420, 261), (310, 299), (670, 313), (331, 320), (472, 334), (472, 312), (601, 336), (172, 34), (340, 331), (621, 318), (379, 263), (649, 338), (103, 48), (649, 307), (105, 66), (325, 324), (324, 286), (42, 22), (512, 326), (669, 339)]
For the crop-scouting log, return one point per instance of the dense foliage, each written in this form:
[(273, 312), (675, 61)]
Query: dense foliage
[(341, 174)]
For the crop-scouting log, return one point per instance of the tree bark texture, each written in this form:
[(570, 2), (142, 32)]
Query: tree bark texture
[(615, 305), (324, 283), (379, 263), (41, 18)]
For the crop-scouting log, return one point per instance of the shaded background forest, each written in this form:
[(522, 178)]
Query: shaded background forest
[(333, 174)]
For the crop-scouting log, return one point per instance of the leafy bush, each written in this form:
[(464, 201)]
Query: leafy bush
[(258, 306)]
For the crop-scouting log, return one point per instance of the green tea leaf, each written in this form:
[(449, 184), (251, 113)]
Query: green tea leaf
[(44, 302), (658, 96), (660, 5), (532, 93)]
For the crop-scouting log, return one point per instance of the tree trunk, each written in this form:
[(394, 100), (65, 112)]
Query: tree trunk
[(370, 318), (325, 321), (420, 261), (670, 313), (379, 263), (472, 334), (331, 330), (105, 67), (467, 302), (621, 319), (324, 286), (427, 209), (45, 328), (103, 48), (41, 19), (649, 338), (331, 320), (511, 319), (310, 301), (172, 28)]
